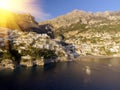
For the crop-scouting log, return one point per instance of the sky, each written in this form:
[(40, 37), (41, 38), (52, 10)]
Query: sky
[(47, 9), (54, 8)]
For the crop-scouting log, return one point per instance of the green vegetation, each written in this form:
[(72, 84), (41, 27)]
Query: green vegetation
[(47, 54), (5, 55), (73, 27)]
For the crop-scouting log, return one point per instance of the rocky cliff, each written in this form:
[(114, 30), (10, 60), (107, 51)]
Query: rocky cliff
[(21, 22)]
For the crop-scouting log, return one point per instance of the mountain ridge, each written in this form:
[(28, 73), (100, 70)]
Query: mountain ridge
[(78, 18), (82, 16)]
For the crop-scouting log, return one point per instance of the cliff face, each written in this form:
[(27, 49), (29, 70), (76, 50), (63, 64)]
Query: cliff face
[(22, 22)]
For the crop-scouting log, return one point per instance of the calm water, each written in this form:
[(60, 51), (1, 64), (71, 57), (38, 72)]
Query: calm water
[(85, 74)]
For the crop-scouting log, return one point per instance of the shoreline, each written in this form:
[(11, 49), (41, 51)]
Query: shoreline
[(98, 56), (41, 63)]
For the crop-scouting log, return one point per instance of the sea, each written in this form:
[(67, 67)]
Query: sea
[(87, 73)]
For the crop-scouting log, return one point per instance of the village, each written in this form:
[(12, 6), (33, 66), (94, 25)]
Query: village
[(97, 44)]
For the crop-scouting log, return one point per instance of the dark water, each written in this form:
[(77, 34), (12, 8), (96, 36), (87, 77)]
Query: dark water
[(85, 74)]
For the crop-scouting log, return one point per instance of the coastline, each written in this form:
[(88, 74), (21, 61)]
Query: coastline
[(10, 65)]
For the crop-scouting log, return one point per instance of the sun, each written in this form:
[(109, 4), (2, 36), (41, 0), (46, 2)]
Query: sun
[(12, 4), (17, 6), (33, 7), (4, 4), (7, 9)]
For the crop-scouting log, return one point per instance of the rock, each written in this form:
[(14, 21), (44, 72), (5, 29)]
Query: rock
[(6, 64), (26, 62), (4, 37), (30, 63), (39, 62)]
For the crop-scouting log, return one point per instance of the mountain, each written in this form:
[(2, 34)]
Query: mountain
[(78, 20), (92, 33)]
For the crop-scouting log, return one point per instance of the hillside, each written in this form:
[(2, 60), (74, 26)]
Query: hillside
[(93, 33), (25, 43)]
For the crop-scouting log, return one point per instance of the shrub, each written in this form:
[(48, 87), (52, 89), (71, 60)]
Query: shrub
[(47, 54), (6, 55)]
